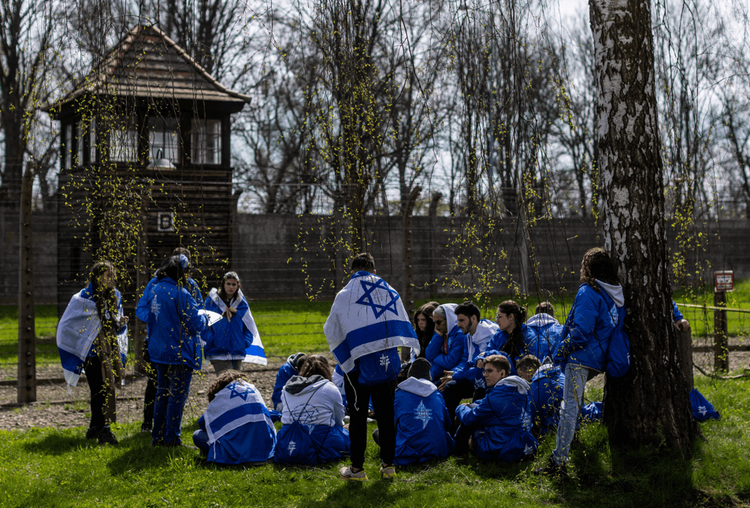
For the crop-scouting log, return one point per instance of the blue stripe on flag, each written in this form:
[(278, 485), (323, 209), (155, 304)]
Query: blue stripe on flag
[(235, 413), (372, 333), (70, 362)]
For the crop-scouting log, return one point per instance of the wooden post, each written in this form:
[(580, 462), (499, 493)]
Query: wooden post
[(26, 329), (686, 356), (721, 349), (408, 261)]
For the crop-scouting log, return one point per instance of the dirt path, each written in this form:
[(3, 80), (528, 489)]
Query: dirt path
[(55, 407)]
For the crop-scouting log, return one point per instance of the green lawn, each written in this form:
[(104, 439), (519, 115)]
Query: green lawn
[(47, 467)]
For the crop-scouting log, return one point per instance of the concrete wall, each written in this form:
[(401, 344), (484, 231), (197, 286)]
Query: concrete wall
[(45, 258), (280, 256)]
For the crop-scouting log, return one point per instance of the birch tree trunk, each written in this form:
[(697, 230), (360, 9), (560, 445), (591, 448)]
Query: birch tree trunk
[(649, 405)]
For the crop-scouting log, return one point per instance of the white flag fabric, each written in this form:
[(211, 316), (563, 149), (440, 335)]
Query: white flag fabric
[(235, 405), (77, 331), (367, 316)]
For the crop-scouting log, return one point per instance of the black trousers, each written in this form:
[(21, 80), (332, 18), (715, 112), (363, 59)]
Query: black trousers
[(357, 397), (99, 392)]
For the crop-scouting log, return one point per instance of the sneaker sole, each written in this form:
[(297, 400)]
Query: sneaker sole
[(353, 479)]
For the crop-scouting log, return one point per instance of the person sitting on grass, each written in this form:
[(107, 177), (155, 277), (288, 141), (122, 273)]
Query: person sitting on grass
[(447, 349), (236, 427), (291, 367), (498, 423), (421, 417), (313, 417), (542, 331)]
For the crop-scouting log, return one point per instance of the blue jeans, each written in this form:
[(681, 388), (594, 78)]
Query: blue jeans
[(575, 382), (200, 438), (172, 389)]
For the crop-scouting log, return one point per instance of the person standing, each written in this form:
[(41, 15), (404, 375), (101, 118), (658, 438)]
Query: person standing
[(235, 338), (174, 347), (585, 341), (366, 326), (91, 336)]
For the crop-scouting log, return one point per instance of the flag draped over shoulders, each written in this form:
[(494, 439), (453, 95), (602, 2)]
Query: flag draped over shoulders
[(367, 316), (255, 353), (235, 405), (77, 330)]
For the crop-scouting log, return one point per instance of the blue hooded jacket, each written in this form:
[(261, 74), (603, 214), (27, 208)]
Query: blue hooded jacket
[(542, 335), (545, 396), (422, 423), (174, 324), (500, 421), (446, 354), (590, 323)]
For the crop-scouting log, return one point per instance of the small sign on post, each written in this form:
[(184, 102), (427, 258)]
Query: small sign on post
[(723, 282)]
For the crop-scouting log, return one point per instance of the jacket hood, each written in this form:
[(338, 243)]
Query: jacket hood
[(614, 292), (293, 359), (450, 316), (546, 370), (519, 383), (298, 384), (421, 387), (541, 320)]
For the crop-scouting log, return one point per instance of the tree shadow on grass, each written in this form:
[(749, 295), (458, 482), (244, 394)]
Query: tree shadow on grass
[(57, 444), (374, 493)]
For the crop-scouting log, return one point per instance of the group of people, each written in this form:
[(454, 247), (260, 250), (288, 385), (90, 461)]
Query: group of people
[(524, 377), (92, 337)]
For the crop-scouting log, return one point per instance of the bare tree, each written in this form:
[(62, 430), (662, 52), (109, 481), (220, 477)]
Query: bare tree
[(649, 405), (26, 32)]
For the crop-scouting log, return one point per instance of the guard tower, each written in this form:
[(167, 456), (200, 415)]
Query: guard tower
[(145, 165)]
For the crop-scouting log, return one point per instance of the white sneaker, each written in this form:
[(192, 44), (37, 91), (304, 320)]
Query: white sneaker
[(345, 473)]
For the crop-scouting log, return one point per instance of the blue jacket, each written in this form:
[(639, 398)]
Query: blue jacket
[(228, 337), (142, 309), (590, 323), (174, 325), (545, 396), (499, 421), (242, 426), (446, 354), (476, 345), (422, 423), (676, 311), (285, 373), (542, 335)]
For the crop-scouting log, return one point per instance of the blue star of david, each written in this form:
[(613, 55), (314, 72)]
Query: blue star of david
[(366, 299), (422, 413), (239, 390), (305, 414)]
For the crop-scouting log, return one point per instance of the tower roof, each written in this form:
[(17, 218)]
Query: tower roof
[(147, 63)]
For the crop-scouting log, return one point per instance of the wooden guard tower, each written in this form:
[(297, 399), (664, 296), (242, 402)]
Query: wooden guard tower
[(145, 166)]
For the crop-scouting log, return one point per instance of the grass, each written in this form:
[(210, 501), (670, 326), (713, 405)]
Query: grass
[(47, 467), (297, 325)]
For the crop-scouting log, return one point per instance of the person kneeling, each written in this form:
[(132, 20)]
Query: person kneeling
[(312, 417), (236, 427), (499, 422)]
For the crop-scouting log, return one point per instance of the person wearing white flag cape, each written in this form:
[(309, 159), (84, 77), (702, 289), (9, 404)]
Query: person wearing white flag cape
[(234, 339), (366, 326), (92, 336)]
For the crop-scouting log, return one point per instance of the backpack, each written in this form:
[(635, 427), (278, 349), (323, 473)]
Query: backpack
[(618, 350), (379, 367)]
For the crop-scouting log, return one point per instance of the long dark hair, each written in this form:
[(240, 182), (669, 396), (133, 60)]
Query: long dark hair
[(316, 364), (514, 345), (176, 268), (222, 292), (105, 297), (425, 336)]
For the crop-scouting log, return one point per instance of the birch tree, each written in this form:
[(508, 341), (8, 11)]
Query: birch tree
[(649, 405)]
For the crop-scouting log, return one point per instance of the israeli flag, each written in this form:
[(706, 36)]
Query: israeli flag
[(255, 353), (77, 331), (367, 316), (235, 405)]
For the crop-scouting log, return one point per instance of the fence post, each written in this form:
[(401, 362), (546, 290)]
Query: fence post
[(721, 349), (26, 330), (686, 354)]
